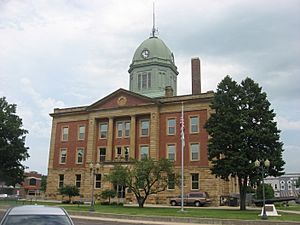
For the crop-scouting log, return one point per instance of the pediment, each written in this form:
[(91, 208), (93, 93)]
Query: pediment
[(121, 98)]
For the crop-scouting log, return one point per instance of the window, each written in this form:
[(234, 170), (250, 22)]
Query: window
[(119, 151), (194, 124), (195, 181), (282, 185), (144, 128), (61, 178), (81, 132), (275, 187), (126, 153), (127, 129), (144, 80), (171, 182), (78, 180), (171, 126), (123, 129), (32, 181), (102, 154), (63, 156), (80, 152), (103, 130), (144, 151), (65, 133), (194, 151), (171, 151), (98, 181)]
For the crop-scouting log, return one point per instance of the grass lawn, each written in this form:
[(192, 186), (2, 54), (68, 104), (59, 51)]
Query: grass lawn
[(201, 212)]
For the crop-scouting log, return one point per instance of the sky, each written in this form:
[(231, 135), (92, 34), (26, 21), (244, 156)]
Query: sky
[(66, 53)]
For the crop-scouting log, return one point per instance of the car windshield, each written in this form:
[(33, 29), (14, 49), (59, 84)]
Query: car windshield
[(37, 220)]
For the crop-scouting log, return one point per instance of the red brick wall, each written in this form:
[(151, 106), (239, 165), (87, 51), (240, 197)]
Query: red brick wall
[(71, 145), (201, 137)]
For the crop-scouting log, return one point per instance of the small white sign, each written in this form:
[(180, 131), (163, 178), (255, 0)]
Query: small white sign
[(270, 210)]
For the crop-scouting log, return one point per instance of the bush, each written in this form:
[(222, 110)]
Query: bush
[(269, 192)]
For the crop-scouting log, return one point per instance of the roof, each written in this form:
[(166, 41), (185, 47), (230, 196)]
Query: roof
[(36, 210), (157, 49)]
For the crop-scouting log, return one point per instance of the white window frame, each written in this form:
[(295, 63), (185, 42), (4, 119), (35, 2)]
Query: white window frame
[(63, 156), (81, 134), (194, 125), (101, 156), (146, 134), (170, 127), (168, 151), (146, 148), (103, 131), (192, 151), (65, 135), (123, 129), (77, 155)]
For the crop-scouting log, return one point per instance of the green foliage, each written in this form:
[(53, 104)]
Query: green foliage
[(298, 182), (143, 178), (108, 194), (243, 129), (69, 190), (44, 183), (12, 144), (269, 192)]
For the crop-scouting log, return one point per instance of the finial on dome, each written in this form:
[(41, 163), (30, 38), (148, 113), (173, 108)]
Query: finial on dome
[(154, 30)]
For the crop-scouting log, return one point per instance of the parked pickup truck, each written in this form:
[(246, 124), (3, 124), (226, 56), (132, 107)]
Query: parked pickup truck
[(192, 198)]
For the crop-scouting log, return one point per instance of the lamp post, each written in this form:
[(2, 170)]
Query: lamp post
[(262, 165), (94, 168)]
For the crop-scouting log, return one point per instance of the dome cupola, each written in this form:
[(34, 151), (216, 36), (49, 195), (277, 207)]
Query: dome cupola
[(153, 68)]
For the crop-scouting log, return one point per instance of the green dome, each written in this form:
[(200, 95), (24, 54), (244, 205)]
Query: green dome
[(153, 47)]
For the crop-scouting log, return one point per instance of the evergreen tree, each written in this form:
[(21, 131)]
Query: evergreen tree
[(243, 129), (12, 144)]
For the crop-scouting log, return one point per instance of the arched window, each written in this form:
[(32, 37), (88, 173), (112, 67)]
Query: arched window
[(32, 181)]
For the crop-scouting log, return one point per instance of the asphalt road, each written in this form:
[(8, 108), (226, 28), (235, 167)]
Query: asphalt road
[(99, 222)]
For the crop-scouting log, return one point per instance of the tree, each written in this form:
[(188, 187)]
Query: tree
[(69, 190), (44, 183), (269, 192), (12, 144), (108, 194), (143, 178), (242, 129), (298, 182)]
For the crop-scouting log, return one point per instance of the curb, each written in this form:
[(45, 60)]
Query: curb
[(185, 220)]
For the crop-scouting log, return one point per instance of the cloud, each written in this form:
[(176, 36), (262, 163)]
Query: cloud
[(286, 124)]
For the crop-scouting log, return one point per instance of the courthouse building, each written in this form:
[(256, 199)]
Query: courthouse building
[(143, 121)]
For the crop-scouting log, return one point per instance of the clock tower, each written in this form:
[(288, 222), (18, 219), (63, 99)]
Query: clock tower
[(153, 68)]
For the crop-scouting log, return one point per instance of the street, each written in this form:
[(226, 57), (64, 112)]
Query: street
[(103, 221)]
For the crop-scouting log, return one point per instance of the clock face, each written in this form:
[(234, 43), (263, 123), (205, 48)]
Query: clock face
[(145, 53)]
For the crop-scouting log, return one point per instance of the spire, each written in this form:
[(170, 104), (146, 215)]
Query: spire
[(154, 30)]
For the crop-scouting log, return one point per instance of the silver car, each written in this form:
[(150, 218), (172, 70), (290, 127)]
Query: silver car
[(36, 215)]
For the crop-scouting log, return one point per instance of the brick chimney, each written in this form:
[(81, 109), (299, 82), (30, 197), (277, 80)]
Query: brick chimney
[(196, 76), (168, 91)]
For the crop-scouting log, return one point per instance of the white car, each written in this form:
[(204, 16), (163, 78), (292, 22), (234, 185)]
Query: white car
[(36, 215)]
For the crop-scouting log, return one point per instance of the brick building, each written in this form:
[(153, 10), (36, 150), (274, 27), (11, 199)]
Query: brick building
[(142, 122)]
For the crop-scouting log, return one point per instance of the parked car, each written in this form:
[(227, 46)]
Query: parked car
[(193, 198), (36, 215)]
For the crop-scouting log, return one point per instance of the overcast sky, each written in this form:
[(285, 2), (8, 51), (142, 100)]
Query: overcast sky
[(64, 53)]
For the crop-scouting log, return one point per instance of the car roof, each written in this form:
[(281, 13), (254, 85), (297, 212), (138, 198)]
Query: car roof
[(36, 210)]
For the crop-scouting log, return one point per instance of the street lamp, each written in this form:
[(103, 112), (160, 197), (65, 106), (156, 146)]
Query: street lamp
[(262, 165), (94, 168)]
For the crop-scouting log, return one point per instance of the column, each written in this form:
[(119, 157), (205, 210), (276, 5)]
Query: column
[(110, 138), (154, 135), (132, 137)]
